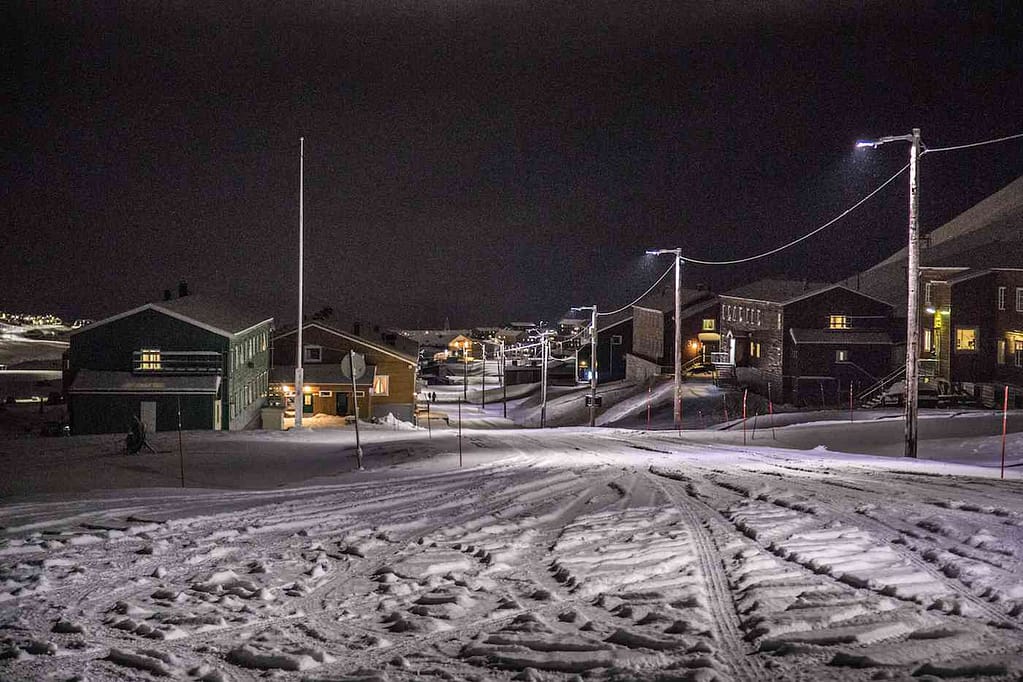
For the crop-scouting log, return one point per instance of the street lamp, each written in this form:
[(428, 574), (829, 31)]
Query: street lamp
[(677, 406), (593, 360), (912, 322)]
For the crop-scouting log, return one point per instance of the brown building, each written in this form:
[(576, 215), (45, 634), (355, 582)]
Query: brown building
[(971, 328), (653, 332), (387, 386), (804, 339)]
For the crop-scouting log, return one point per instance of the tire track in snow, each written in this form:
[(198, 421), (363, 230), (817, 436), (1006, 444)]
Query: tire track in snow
[(726, 619)]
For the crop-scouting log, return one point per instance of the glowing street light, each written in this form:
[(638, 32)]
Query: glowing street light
[(912, 321), (677, 406)]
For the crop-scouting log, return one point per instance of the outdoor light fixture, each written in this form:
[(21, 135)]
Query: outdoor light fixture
[(912, 310)]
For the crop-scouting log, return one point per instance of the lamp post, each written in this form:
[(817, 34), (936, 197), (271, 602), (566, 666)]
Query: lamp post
[(483, 377), (593, 361), (299, 371), (677, 406), (913, 262)]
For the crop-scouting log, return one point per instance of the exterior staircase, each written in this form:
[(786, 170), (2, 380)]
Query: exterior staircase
[(724, 371)]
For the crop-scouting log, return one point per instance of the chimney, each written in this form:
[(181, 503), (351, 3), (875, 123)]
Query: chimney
[(166, 294), (182, 289)]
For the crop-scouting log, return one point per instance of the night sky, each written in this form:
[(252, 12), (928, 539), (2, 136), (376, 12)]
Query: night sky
[(479, 162)]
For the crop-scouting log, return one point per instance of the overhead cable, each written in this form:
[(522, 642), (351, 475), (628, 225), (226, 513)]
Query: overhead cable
[(641, 296), (931, 150), (806, 236)]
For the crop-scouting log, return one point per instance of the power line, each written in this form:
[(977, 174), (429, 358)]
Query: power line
[(805, 236), (641, 296), (929, 150)]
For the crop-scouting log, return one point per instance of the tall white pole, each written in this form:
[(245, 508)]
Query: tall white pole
[(544, 344), (299, 372), (912, 313), (678, 340), (593, 366)]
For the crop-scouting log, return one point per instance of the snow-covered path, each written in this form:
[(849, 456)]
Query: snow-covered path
[(611, 553)]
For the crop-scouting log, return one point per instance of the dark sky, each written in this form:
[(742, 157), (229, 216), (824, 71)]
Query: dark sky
[(479, 161)]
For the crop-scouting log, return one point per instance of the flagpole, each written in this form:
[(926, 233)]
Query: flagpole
[(299, 372)]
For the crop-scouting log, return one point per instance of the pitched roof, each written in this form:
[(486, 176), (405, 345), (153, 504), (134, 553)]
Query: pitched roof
[(661, 298), (216, 314), (840, 337), (986, 235), (92, 381), (776, 290), (375, 345)]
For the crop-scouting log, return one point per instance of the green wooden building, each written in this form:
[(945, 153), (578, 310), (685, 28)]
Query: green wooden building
[(206, 358)]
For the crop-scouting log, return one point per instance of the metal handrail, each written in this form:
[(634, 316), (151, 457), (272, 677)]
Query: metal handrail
[(882, 384)]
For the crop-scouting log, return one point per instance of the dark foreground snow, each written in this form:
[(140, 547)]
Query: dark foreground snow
[(606, 554)]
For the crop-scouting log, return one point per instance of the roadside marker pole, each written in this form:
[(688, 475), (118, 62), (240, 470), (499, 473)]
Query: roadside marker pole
[(756, 416), (850, 401), (429, 423), (181, 452), (459, 434), (648, 408), (744, 393), (770, 410), (724, 403), (1005, 415)]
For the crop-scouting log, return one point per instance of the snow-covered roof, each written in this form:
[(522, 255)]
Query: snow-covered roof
[(840, 337), (94, 381), (320, 374), (216, 314)]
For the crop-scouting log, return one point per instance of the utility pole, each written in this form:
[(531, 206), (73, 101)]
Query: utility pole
[(504, 384), (483, 390), (299, 372), (544, 345), (913, 275), (677, 406), (593, 361)]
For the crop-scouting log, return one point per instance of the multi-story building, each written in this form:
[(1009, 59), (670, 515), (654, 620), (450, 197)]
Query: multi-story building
[(800, 340), (199, 360)]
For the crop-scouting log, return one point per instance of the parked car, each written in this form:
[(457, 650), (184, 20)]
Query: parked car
[(927, 394)]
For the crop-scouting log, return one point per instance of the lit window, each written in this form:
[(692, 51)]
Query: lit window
[(841, 356), (313, 354), (381, 385), (326, 394), (1001, 298), (1001, 352), (150, 359), (838, 322), (928, 340), (966, 339), (708, 324)]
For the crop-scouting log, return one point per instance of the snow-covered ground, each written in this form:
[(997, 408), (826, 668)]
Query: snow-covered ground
[(550, 554)]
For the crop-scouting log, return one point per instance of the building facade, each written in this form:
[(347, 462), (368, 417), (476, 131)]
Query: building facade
[(202, 361), (806, 343), (387, 386)]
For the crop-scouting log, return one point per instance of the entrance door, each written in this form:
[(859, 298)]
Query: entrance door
[(340, 403), (147, 415)]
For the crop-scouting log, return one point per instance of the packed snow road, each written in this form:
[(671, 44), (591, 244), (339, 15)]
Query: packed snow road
[(606, 554)]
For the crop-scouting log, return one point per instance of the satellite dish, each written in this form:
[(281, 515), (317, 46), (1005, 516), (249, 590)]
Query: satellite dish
[(353, 365)]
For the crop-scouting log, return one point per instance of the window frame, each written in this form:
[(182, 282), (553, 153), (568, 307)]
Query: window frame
[(842, 355), (838, 321), (1001, 298), (382, 380), (306, 357), (976, 339)]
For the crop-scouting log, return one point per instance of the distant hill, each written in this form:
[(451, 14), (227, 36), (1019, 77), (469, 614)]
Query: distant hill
[(987, 235)]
